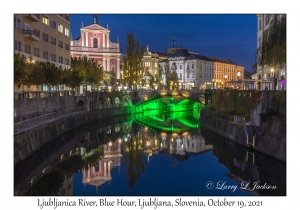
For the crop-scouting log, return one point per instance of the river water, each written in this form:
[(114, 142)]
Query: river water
[(148, 156)]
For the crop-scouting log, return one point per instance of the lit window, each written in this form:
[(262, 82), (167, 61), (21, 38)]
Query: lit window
[(45, 20), (67, 32), (60, 28)]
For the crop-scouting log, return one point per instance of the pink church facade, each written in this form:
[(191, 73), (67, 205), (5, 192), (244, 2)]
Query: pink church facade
[(94, 42)]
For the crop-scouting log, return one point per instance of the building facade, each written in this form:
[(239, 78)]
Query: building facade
[(43, 38), (94, 43), (266, 74), (202, 72)]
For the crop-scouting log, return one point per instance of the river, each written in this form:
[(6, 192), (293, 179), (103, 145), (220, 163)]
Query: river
[(156, 154)]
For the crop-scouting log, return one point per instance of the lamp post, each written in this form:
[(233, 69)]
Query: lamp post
[(225, 77), (213, 84)]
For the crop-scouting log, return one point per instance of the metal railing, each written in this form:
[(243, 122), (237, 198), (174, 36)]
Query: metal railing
[(35, 33), (30, 123)]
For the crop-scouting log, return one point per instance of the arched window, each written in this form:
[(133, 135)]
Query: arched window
[(95, 43)]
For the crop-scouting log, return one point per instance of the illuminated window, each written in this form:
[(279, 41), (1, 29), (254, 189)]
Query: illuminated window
[(45, 20), (60, 28), (67, 32)]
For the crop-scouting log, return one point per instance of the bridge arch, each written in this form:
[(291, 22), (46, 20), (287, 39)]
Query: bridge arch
[(80, 103)]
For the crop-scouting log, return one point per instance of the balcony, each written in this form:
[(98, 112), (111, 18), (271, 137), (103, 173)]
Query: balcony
[(31, 35), (32, 17)]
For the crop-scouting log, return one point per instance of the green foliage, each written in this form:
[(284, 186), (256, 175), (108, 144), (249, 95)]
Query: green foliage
[(279, 100), (20, 69), (132, 61), (273, 49)]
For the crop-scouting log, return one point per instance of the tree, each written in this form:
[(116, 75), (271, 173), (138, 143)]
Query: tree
[(72, 78), (167, 74), (132, 60), (20, 69), (273, 47)]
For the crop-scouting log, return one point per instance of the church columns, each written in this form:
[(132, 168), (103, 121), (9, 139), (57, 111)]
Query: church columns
[(118, 68), (103, 42), (108, 64), (107, 40), (86, 39), (104, 64), (82, 38)]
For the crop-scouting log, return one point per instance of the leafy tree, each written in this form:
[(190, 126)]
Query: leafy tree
[(73, 78), (168, 74), (273, 47), (132, 60), (20, 69)]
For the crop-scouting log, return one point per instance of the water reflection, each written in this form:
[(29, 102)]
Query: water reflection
[(102, 158)]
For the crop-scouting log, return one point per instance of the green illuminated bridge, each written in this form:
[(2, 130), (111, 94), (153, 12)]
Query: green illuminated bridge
[(168, 111)]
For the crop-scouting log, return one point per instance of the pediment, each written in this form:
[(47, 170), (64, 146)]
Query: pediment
[(95, 27)]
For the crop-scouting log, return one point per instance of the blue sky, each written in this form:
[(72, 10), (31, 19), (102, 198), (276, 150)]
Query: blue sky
[(218, 35)]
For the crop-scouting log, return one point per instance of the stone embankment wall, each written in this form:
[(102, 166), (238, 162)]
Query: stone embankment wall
[(227, 129), (30, 104), (27, 143), (271, 143)]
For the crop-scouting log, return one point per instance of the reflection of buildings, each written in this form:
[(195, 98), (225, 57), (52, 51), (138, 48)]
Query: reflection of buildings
[(173, 143), (186, 143), (99, 173), (66, 189)]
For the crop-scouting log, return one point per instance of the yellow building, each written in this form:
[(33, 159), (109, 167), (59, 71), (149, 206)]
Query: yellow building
[(227, 74), (43, 37)]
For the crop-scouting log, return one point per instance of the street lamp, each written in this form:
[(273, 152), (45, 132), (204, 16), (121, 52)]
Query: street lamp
[(213, 84), (225, 77)]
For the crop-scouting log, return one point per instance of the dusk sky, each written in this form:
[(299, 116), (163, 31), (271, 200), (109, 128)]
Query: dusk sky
[(221, 36)]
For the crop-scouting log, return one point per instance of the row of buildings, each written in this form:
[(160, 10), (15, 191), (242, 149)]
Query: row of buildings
[(48, 38)]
